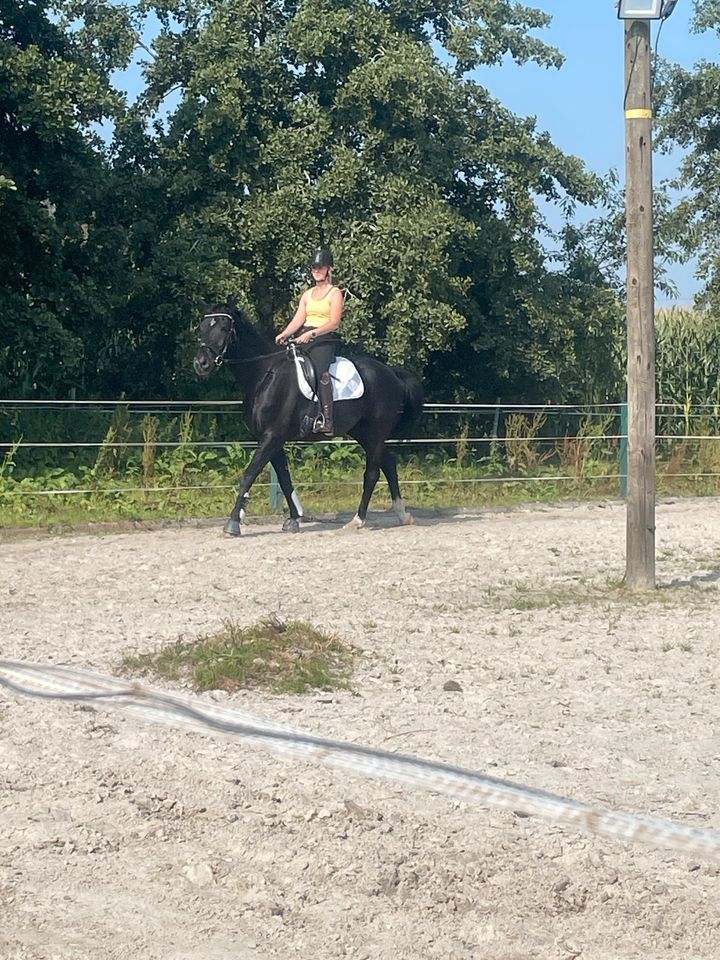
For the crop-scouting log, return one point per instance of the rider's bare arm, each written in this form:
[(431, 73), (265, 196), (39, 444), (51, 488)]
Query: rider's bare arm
[(297, 321)]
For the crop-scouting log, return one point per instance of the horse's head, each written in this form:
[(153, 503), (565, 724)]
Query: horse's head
[(215, 335)]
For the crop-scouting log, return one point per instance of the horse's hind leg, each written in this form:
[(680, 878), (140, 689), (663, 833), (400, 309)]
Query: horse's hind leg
[(388, 465), (373, 457), (280, 465)]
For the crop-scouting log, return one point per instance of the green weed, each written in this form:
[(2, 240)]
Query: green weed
[(282, 656), (147, 469)]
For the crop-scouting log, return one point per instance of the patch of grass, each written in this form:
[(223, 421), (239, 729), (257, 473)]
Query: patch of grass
[(282, 656), (524, 596), (704, 561), (582, 593)]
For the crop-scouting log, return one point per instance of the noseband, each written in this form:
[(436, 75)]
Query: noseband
[(220, 358)]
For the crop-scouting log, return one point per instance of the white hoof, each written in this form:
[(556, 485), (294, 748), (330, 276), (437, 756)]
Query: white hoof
[(355, 524)]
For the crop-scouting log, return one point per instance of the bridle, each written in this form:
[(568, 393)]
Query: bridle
[(220, 357)]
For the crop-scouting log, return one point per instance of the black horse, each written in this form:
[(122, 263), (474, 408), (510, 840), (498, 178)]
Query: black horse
[(277, 412)]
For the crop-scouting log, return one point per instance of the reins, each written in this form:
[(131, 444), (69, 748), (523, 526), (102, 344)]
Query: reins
[(220, 359), (262, 356)]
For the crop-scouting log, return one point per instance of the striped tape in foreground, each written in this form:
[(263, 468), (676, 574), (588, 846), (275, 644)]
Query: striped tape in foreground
[(191, 713)]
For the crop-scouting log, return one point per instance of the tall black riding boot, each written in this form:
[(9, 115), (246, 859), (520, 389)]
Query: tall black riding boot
[(325, 393)]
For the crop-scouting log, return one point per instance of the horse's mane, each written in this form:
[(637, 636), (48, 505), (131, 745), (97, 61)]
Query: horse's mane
[(254, 342)]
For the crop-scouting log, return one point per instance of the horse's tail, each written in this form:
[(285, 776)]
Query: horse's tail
[(412, 401)]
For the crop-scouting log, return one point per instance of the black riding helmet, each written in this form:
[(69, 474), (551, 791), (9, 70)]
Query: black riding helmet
[(322, 257)]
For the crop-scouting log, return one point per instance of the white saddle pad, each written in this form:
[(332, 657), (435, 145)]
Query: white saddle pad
[(346, 381)]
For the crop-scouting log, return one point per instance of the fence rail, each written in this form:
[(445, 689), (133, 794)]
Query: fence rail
[(493, 438)]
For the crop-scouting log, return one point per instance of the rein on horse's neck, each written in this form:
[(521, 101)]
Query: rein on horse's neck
[(248, 348)]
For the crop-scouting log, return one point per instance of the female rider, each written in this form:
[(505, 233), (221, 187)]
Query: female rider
[(317, 318)]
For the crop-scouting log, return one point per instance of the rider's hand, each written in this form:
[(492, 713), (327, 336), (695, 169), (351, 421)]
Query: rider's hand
[(305, 338), (280, 338)]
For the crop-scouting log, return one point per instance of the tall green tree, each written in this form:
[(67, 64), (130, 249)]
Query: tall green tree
[(58, 247), (358, 124), (689, 118), (265, 127)]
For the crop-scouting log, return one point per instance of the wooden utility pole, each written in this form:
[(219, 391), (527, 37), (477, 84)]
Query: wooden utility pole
[(640, 564)]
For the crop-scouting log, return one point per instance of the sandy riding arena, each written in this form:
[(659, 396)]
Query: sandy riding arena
[(499, 642)]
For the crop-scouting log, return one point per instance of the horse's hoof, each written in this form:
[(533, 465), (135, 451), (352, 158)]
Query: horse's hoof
[(232, 528), (291, 526), (355, 524), (404, 518)]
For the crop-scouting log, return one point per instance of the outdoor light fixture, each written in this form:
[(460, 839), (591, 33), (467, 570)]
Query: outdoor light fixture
[(645, 9)]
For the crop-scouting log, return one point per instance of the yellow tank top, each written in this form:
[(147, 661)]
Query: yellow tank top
[(317, 312)]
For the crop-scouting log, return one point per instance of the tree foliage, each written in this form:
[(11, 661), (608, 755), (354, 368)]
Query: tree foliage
[(57, 244), (265, 127), (689, 118)]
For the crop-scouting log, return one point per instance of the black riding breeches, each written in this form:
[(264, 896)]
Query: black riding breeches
[(322, 352)]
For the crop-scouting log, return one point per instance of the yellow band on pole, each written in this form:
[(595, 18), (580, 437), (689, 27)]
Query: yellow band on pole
[(639, 114)]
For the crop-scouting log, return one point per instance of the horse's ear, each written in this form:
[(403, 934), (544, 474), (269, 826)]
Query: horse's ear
[(232, 302), (205, 307)]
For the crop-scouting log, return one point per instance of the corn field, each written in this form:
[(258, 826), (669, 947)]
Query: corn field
[(688, 369)]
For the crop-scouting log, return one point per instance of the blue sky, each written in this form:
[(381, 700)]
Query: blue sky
[(580, 105)]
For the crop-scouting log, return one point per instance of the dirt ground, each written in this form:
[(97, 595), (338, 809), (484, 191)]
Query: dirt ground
[(121, 840)]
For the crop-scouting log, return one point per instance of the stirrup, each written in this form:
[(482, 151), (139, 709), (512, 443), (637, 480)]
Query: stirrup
[(321, 426)]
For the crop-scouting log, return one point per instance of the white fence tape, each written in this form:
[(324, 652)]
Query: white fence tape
[(64, 683)]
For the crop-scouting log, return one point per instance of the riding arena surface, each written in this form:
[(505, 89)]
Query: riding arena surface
[(499, 642)]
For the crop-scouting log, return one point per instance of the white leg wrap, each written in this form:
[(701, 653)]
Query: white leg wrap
[(403, 516), (355, 524)]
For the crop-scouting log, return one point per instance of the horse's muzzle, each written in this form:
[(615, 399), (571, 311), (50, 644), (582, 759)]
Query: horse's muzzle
[(202, 366)]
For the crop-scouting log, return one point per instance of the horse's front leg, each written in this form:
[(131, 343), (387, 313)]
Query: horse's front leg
[(268, 448), (280, 465)]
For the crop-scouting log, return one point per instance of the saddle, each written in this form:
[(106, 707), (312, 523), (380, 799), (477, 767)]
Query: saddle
[(344, 376)]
